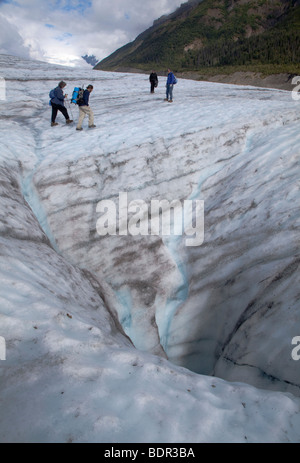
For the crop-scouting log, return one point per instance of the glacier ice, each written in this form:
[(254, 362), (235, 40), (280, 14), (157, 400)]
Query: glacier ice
[(82, 315)]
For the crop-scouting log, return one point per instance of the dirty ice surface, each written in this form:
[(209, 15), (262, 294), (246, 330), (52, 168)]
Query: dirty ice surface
[(141, 338)]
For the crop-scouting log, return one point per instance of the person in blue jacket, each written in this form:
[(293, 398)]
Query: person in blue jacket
[(58, 104), (171, 80), (85, 109)]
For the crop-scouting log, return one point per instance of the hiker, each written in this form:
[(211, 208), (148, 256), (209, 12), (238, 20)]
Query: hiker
[(85, 109), (171, 80), (57, 103), (153, 81)]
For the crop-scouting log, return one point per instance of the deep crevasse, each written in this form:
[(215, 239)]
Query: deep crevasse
[(211, 134)]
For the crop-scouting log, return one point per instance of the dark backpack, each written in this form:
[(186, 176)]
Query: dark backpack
[(51, 95)]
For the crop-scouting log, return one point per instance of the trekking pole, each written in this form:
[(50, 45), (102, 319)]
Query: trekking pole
[(70, 108)]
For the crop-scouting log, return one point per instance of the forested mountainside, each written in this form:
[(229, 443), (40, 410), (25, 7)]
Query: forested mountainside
[(216, 33)]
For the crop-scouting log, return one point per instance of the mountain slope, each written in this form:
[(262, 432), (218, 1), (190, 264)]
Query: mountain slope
[(216, 33)]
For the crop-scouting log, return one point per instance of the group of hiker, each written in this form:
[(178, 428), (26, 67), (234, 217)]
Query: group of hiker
[(57, 100), (171, 81)]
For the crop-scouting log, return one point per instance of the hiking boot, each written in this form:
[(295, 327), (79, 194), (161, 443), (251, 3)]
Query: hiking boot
[(53, 124), (170, 101), (69, 121), (78, 128), (92, 126)]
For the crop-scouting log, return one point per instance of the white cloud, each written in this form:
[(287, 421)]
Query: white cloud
[(10, 40), (62, 30)]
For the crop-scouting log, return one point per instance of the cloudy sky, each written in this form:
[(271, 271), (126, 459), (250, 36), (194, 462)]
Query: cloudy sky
[(61, 31)]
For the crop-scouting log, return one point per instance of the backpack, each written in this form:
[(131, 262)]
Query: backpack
[(77, 95), (51, 95), (174, 80)]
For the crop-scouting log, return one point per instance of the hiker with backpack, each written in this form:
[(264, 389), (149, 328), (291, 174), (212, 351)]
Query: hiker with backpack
[(85, 109), (57, 100), (171, 81), (153, 81)]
